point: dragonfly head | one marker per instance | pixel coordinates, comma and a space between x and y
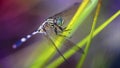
59, 21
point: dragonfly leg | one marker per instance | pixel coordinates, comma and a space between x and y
60, 28
55, 30
64, 29
63, 36
70, 44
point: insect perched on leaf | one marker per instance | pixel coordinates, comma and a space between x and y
56, 24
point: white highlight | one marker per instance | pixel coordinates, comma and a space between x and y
28, 36
34, 33
23, 39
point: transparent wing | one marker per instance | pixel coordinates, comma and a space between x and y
65, 47
60, 53
69, 44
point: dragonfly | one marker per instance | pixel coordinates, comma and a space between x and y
55, 23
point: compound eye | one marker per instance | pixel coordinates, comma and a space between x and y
59, 21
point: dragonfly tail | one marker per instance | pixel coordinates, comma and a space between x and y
21, 41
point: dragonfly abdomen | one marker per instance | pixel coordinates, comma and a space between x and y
21, 41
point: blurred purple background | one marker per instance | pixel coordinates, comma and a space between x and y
21, 17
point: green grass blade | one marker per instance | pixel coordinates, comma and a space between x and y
80, 63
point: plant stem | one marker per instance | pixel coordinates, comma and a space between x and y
80, 63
